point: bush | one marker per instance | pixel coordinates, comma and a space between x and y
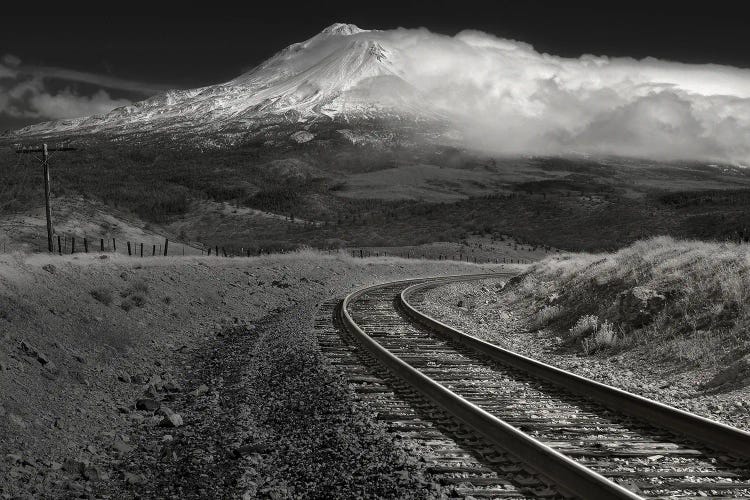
135, 300
604, 337
586, 324
139, 286
102, 295
546, 315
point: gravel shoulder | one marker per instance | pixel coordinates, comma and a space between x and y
482, 308
186, 377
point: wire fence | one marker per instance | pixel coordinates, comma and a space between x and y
67, 244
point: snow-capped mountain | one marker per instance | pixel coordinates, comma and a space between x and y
343, 73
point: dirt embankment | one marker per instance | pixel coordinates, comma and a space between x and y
663, 318
185, 377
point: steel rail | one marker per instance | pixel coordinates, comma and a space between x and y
710, 433
569, 476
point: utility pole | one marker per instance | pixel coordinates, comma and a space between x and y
45, 163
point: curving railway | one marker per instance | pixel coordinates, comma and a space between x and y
489, 423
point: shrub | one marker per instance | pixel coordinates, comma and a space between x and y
139, 286
102, 295
546, 315
135, 300
604, 337
586, 324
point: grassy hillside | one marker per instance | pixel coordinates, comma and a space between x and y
682, 301
368, 195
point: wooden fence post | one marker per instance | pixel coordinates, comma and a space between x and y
59, 245
224, 251
129, 252
114, 245
217, 250
209, 251
85, 245
101, 244
141, 249
153, 251
72, 244
166, 246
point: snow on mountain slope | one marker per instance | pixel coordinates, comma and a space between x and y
344, 73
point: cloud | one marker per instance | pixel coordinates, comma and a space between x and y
94, 79
28, 91
506, 97
11, 60
67, 104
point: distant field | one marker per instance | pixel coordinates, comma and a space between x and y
330, 193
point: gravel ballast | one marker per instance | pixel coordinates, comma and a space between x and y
481, 309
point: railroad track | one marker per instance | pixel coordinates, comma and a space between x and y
495, 424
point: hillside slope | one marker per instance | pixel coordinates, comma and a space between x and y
665, 318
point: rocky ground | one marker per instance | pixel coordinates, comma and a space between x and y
485, 310
186, 377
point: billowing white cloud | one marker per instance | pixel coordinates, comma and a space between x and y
507, 97
67, 104
25, 91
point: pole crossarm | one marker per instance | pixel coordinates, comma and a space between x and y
41, 150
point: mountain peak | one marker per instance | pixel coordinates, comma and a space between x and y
333, 75
342, 29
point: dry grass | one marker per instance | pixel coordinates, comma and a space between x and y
103, 295
704, 317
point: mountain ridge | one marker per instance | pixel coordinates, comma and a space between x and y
343, 73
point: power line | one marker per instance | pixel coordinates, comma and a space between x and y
45, 164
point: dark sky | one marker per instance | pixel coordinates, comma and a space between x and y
184, 46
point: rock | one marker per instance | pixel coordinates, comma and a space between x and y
146, 404
134, 479
55, 465
93, 473
172, 386
151, 391
302, 137
138, 378
78, 377
171, 419
123, 376
638, 306
200, 390
73, 466
29, 349
737, 373
122, 447
50, 268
